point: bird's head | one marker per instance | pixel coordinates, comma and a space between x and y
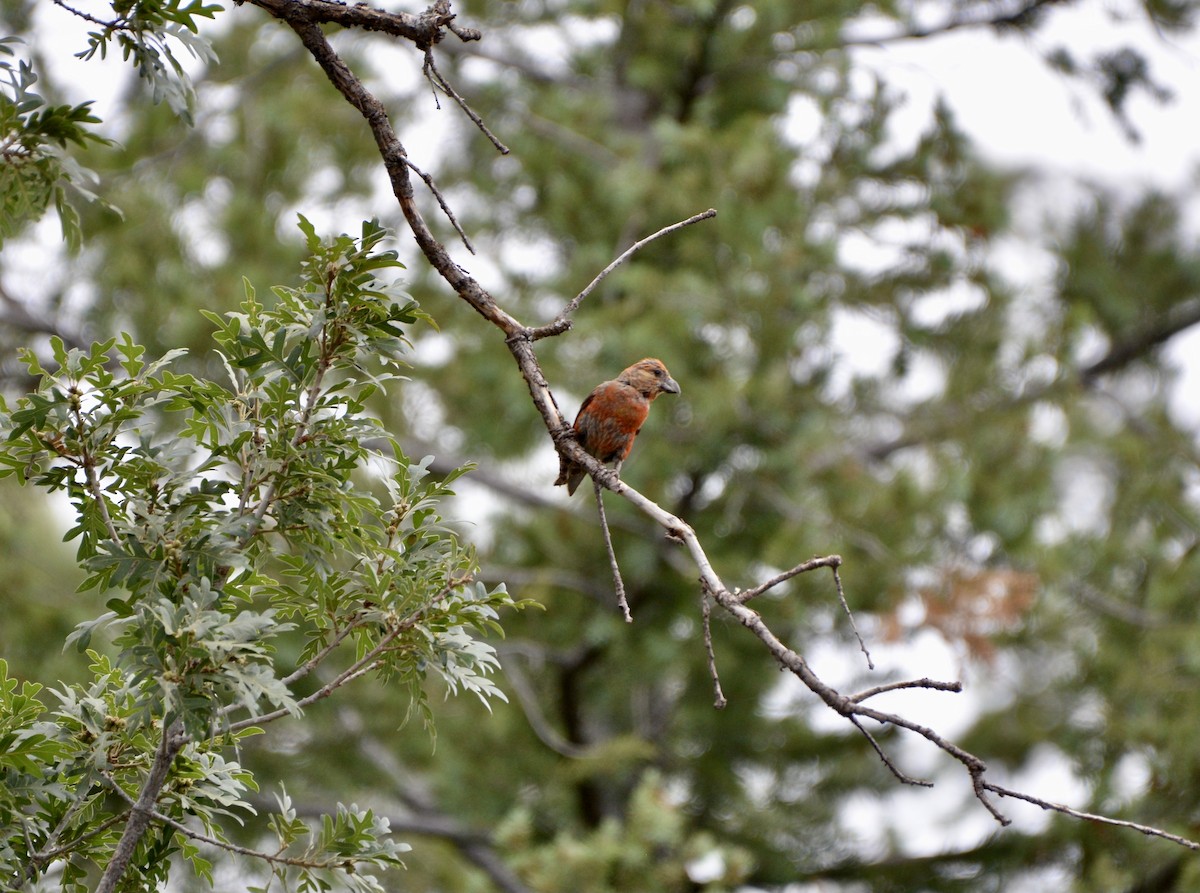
650, 377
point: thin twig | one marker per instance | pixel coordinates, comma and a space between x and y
925, 683
463, 33
706, 613
356, 669
359, 668
974, 765
879, 751
313, 662
628, 253
224, 844
51, 850
837, 579
39, 857
1050, 806
612, 555
802, 568
338, 862
441, 200
88, 461
435, 77
114, 25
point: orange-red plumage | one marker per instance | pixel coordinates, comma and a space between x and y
612, 415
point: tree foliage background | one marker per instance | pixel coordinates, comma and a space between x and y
1011, 487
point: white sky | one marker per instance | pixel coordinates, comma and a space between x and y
1022, 114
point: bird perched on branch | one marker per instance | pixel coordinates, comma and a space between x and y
612, 415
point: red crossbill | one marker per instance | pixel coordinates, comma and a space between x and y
612, 415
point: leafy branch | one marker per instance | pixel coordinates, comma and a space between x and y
36, 171
145, 32
224, 517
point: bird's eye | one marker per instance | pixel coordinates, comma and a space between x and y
658, 372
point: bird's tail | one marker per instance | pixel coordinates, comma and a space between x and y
570, 474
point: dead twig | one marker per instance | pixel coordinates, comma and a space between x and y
1050, 806
628, 253
833, 561
837, 581
441, 200
431, 72
887, 761
719, 700
618, 583
907, 683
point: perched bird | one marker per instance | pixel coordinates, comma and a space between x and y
612, 415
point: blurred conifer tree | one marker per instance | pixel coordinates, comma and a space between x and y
1007, 478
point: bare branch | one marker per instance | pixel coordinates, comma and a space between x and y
618, 583
925, 683
423, 29
435, 77
719, 700
837, 581
1091, 817
520, 339
441, 200
833, 561
851, 708
625, 255
879, 751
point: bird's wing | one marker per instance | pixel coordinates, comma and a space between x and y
581, 431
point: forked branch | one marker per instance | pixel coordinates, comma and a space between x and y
304, 17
